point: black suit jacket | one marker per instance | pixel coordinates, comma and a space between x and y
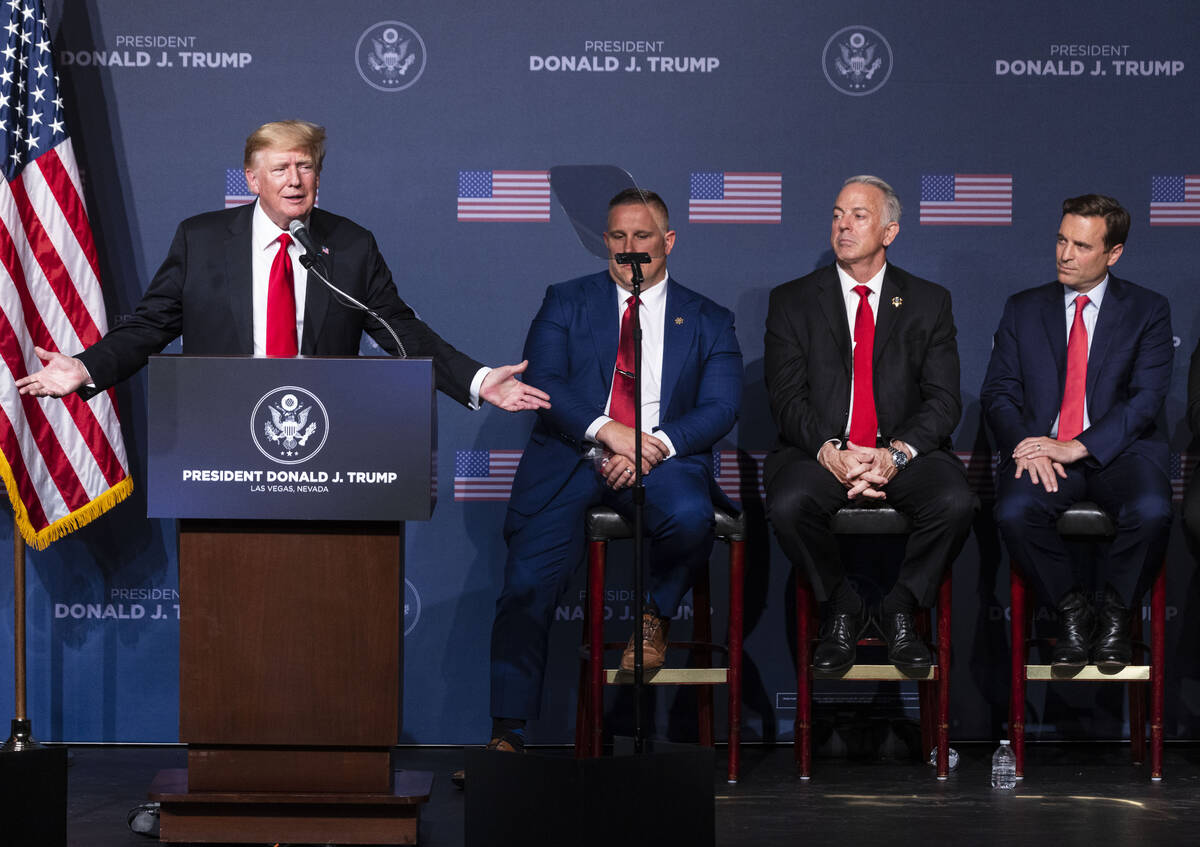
808, 364
203, 290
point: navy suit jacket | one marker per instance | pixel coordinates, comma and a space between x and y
572, 350
203, 290
809, 363
1128, 373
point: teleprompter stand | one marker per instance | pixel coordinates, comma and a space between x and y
291, 621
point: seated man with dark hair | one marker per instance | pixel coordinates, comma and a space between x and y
581, 450
1077, 379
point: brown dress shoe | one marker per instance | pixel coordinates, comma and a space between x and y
654, 644
459, 777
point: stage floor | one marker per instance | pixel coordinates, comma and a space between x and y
1086, 794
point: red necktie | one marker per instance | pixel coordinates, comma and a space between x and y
1070, 418
281, 304
863, 423
620, 407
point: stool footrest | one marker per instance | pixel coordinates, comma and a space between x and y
1088, 673
670, 676
880, 673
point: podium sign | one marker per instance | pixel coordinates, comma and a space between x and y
292, 439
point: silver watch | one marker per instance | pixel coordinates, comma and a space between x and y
899, 458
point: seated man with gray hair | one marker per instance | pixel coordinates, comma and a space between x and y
861, 367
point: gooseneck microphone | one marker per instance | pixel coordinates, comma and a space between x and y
314, 264
300, 232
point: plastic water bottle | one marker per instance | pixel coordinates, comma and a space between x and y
1004, 767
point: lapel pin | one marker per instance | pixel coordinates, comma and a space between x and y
679, 322
897, 302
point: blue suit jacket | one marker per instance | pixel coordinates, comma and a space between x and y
572, 350
1129, 370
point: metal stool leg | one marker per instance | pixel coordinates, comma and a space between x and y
737, 566
944, 606
583, 719
1137, 693
1158, 628
802, 732
702, 634
597, 556
925, 691
1016, 703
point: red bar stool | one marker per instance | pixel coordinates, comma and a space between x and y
933, 686
1088, 522
603, 525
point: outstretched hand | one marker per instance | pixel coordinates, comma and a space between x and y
503, 390
61, 376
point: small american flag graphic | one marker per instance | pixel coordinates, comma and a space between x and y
503, 196
966, 200
484, 474
488, 474
237, 193
721, 197
740, 473
1175, 200
1182, 466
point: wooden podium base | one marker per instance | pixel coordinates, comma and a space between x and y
277, 817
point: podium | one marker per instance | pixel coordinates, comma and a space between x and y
291, 480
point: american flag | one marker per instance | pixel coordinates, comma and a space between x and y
966, 199
717, 197
503, 196
484, 474
237, 193
1175, 200
62, 461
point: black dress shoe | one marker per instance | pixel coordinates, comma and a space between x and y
839, 636
906, 650
1114, 649
1076, 630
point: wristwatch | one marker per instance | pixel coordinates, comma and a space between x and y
899, 458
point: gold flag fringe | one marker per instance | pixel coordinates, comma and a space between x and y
41, 539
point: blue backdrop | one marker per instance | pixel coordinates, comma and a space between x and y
1059, 98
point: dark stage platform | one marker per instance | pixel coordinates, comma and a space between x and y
1073, 794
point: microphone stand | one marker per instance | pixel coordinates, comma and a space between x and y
635, 261
313, 265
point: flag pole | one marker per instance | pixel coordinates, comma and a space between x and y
21, 737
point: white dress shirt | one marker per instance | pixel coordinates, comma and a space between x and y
264, 245
1091, 314
851, 298
653, 316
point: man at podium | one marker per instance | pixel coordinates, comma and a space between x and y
233, 284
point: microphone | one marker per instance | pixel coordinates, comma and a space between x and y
314, 263
300, 232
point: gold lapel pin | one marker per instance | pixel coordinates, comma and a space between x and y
897, 302
679, 322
